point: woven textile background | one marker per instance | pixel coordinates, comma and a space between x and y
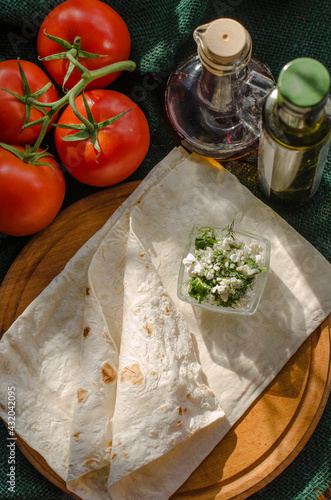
161, 33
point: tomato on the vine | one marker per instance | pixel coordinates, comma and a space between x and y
123, 144
101, 30
31, 195
12, 110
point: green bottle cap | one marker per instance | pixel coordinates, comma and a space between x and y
304, 82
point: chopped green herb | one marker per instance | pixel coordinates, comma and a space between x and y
205, 237
222, 269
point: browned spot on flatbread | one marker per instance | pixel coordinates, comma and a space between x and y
179, 423
114, 456
147, 267
205, 388
87, 291
142, 255
148, 328
76, 435
188, 395
185, 410
86, 331
133, 374
108, 373
180, 411
167, 310
81, 395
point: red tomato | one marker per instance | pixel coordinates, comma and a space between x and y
102, 31
124, 143
30, 195
12, 111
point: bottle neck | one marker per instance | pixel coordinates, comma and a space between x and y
219, 92
298, 117
224, 48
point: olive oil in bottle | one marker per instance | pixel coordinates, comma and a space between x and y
296, 133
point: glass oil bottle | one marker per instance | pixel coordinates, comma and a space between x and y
296, 133
214, 98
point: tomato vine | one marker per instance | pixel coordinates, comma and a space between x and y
106, 145
69, 98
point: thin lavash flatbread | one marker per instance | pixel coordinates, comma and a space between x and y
44, 372
161, 399
159, 376
239, 357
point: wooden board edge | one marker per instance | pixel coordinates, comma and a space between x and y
255, 478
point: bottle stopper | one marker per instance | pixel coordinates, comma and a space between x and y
225, 39
223, 44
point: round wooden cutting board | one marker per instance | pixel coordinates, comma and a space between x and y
268, 436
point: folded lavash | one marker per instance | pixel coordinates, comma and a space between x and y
121, 386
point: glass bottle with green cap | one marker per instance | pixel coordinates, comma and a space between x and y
296, 133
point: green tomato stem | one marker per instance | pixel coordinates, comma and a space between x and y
112, 68
70, 96
71, 56
47, 120
85, 121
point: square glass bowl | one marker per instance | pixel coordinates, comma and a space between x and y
254, 293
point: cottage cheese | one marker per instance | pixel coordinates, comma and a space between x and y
222, 269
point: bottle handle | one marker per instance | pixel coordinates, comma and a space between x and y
260, 81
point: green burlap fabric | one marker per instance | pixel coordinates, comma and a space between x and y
161, 32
